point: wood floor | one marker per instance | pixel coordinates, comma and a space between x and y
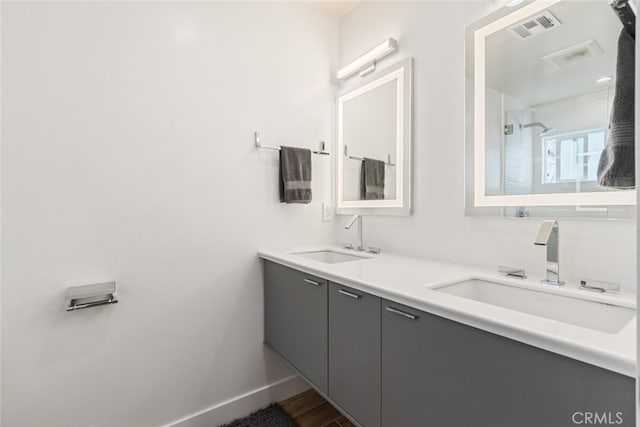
309, 409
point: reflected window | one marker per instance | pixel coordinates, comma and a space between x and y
572, 157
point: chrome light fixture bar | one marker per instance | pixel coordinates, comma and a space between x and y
367, 62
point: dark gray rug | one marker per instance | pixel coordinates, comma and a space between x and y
271, 416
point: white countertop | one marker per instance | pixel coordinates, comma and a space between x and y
410, 281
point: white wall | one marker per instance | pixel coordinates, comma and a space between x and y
433, 33
127, 138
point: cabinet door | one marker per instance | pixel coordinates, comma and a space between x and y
440, 373
296, 320
354, 353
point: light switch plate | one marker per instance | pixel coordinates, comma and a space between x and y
327, 212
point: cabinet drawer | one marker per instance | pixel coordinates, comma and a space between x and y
437, 372
354, 353
296, 320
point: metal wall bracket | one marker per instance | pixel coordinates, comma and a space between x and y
508, 129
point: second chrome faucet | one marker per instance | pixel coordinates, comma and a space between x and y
350, 224
548, 236
358, 218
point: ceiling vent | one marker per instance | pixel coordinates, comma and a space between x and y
535, 25
578, 52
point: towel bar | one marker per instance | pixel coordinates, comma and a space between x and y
268, 147
388, 162
79, 297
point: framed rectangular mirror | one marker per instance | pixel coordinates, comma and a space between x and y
374, 144
539, 97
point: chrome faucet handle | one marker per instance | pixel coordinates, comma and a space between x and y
373, 250
346, 245
599, 286
518, 273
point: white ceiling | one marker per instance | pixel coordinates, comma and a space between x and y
515, 67
337, 8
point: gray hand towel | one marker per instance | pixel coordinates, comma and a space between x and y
295, 175
617, 162
372, 179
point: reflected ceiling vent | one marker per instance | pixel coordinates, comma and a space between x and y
578, 52
535, 25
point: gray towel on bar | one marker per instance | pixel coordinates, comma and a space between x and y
372, 179
295, 175
617, 162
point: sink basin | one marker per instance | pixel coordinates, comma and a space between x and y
587, 314
330, 257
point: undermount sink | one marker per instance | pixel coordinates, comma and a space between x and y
330, 257
579, 312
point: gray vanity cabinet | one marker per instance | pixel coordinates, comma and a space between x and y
354, 353
296, 320
440, 373
389, 365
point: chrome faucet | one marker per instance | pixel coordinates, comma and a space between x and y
350, 224
548, 236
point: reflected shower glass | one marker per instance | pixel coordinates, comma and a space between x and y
547, 114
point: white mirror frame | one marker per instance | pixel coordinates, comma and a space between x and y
481, 199
401, 72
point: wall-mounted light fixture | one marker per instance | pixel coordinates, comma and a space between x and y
367, 62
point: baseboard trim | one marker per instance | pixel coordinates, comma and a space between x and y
244, 404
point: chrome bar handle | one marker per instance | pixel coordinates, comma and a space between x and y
402, 313
584, 287
349, 294
518, 273
85, 296
77, 304
312, 282
599, 286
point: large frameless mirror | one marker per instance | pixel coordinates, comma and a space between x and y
540, 90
